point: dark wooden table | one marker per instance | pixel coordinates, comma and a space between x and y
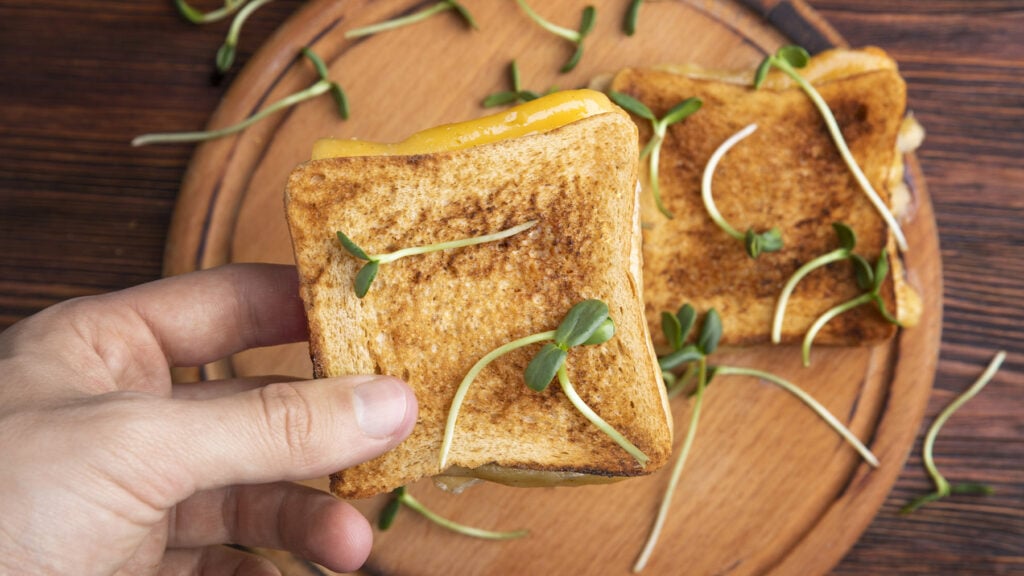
84, 213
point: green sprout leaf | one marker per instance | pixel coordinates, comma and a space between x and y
767, 241
604, 333
788, 59
442, 6
387, 515
632, 18
762, 72
352, 247
680, 111
846, 236
517, 94
687, 316
542, 368
710, 332
684, 355
587, 19
320, 87
672, 330
795, 56
581, 322
864, 272
630, 104
942, 486
365, 277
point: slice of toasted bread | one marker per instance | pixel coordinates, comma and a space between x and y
788, 174
429, 318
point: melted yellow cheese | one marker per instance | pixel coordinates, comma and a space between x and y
541, 115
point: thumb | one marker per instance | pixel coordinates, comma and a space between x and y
292, 431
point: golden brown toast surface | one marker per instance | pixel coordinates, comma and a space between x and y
787, 174
429, 318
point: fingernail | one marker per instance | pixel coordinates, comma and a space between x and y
380, 405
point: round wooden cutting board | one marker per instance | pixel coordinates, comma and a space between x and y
768, 487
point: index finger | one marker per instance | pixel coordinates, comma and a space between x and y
204, 316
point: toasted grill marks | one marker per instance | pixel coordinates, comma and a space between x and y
431, 317
787, 174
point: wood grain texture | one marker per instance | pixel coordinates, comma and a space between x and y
84, 213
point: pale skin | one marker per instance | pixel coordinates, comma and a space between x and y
107, 467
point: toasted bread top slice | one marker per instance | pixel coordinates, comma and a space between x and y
429, 318
787, 174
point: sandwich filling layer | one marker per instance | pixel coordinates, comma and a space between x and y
534, 117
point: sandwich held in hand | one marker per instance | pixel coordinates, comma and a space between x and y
567, 163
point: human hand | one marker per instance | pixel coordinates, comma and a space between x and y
106, 467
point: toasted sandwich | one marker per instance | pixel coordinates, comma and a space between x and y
567, 161
788, 175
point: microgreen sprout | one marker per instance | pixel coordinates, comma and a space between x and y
788, 59
196, 17
847, 242
320, 87
677, 328
632, 17
516, 95
871, 281
442, 6
401, 497
226, 53
586, 324
574, 36
365, 276
659, 128
754, 242
942, 486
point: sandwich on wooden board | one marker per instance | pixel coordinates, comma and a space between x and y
786, 174
567, 163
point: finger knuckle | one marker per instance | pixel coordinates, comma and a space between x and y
289, 417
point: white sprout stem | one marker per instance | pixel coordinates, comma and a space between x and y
844, 151
655, 159
941, 484
827, 317
197, 17
589, 414
787, 290
677, 472
392, 256
399, 22
809, 400
408, 500
180, 137
709, 171
240, 18
460, 393
570, 35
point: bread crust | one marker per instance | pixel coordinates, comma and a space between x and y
429, 318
